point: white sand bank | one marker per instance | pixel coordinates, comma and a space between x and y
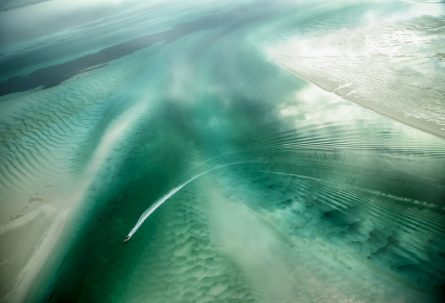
394, 68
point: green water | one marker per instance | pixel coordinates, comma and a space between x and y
308, 198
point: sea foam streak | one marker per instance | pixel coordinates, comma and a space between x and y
171, 193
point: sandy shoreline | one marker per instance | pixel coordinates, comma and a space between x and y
375, 66
41, 253
28, 237
419, 124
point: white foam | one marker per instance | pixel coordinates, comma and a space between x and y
171, 193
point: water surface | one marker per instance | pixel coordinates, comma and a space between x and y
272, 183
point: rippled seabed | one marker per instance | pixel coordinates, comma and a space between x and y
295, 149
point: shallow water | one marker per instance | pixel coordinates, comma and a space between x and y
267, 184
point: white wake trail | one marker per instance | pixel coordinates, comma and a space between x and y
172, 192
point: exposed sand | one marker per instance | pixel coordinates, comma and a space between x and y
28, 238
395, 69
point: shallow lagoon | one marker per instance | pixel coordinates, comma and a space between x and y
298, 185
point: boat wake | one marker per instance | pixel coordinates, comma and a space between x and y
172, 192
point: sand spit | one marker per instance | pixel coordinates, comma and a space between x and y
394, 68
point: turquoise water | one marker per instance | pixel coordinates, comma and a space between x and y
280, 191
